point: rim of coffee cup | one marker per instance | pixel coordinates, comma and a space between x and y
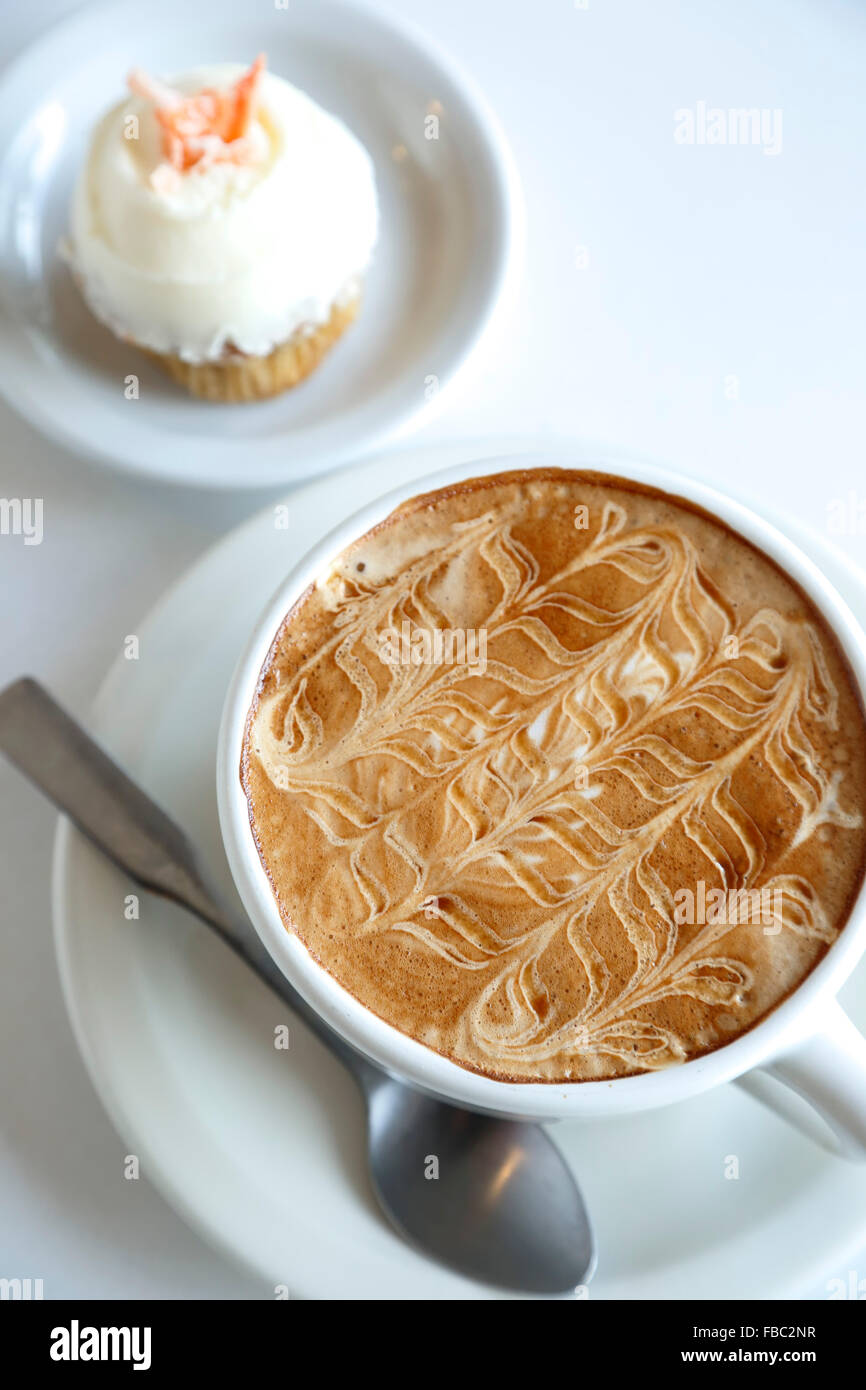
795, 1018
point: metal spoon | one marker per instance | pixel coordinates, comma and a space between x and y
504, 1209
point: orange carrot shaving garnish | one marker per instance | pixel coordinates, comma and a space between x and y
243, 94
206, 128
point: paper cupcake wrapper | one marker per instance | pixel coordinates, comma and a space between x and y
238, 378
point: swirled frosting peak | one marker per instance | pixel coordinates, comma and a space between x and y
559, 776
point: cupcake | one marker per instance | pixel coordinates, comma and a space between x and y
223, 223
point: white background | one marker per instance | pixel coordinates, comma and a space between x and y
702, 264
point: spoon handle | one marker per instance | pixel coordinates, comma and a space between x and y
63, 761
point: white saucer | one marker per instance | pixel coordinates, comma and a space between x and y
262, 1150
450, 234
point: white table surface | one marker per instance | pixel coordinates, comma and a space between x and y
703, 264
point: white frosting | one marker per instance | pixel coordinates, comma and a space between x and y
231, 254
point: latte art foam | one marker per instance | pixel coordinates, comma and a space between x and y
492, 860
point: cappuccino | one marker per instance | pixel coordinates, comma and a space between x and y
527, 863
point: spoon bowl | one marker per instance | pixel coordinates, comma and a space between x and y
492, 1198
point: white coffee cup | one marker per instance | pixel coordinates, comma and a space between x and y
807, 1042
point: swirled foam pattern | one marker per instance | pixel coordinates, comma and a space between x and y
520, 845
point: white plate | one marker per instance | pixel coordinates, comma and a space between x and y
261, 1150
450, 233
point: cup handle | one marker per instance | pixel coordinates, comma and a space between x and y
823, 1084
